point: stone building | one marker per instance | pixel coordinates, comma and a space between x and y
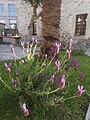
75, 18
25, 12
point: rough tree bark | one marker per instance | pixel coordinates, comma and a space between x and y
50, 24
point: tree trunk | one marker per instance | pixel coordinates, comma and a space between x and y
50, 24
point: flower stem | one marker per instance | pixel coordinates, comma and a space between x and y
44, 93
70, 98
5, 84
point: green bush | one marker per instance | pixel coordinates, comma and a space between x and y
78, 51
42, 85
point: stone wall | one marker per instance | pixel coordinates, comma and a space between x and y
69, 10
24, 13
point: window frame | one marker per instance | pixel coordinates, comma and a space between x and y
81, 24
2, 11
11, 23
12, 10
34, 28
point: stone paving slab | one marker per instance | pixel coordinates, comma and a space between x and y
6, 54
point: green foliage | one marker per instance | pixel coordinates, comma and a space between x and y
35, 89
33, 2
78, 51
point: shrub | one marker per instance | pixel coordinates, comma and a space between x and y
78, 51
41, 83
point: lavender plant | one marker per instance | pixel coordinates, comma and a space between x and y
37, 78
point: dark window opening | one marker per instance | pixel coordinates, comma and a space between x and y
80, 28
34, 28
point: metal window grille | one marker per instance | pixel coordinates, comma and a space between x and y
81, 21
34, 28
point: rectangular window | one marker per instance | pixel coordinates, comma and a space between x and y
13, 24
81, 21
11, 10
34, 28
1, 9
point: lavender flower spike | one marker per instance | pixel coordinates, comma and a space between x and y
61, 83
57, 63
68, 54
80, 90
7, 67
14, 83
25, 110
52, 79
12, 49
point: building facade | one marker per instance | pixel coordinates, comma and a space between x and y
8, 13
24, 13
75, 18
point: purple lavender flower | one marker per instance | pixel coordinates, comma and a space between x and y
7, 67
69, 44
63, 93
25, 110
12, 49
73, 62
14, 83
61, 101
57, 63
15, 56
45, 56
22, 44
61, 83
52, 79
80, 91
82, 76
68, 54
57, 47
67, 67
22, 61
33, 39
76, 67
16, 72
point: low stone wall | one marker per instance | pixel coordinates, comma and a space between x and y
82, 43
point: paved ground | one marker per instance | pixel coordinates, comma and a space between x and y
6, 54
